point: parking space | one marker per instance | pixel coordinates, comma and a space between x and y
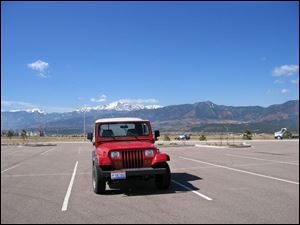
52, 184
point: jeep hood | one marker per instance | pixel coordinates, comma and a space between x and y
119, 145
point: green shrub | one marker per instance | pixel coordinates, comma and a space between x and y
202, 138
287, 135
10, 134
247, 135
166, 138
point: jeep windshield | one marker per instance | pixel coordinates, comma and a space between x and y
130, 129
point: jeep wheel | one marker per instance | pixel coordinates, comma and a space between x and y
163, 181
99, 182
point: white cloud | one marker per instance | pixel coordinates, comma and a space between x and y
101, 99
26, 106
39, 66
16, 105
285, 70
278, 81
295, 81
139, 100
283, 91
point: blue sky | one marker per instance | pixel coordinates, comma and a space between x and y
58, 56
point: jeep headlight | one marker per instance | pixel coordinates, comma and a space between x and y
149, 153
114, 154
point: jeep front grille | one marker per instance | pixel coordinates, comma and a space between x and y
133, 159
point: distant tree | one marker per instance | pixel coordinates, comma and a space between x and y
24, 134
247, 135
166, 138
202, 137
42, 134
287, 135
9, 134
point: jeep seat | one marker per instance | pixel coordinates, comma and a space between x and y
107, 133
131, 132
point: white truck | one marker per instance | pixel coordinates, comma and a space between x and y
280, 134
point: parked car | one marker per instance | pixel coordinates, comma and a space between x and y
183, 137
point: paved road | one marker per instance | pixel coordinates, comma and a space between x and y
52, 184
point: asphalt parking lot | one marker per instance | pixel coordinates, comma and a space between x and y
52, 184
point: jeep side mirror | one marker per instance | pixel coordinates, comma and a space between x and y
156, 134
90, 136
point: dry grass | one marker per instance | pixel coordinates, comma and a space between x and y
195, 137
223, 137
19, 140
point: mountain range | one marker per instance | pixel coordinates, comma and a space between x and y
118, 106
198, 117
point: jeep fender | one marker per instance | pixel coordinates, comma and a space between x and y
162, 157
104, 161
100, 160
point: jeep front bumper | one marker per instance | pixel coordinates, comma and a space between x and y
137, 172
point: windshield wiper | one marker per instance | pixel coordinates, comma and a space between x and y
107, 140
134, 136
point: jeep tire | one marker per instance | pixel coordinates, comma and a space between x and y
98, 180
162, 181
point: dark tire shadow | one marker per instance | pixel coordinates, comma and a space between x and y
138, 187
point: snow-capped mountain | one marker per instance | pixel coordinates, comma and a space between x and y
196, 117
118, 106
35, 110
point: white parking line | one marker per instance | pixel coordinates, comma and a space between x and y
38, 175
210, 146
192, 168
268, 160
195, 192
66, 200
48, 151
11, 167
41, 175
242, 171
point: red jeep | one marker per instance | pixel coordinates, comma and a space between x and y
124, 148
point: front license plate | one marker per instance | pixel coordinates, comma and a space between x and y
118, 175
